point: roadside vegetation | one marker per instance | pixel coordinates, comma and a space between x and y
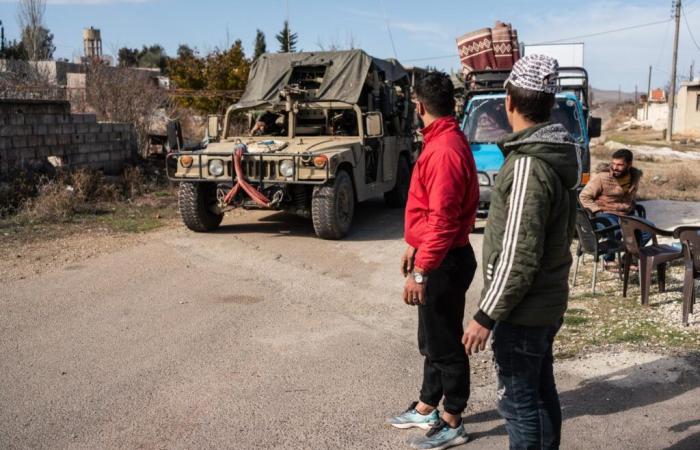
37, 207
608, 321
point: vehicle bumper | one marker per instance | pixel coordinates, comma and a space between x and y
260, 168
484, 201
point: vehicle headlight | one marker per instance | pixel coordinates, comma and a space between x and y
483, 179
216, 167
287, 168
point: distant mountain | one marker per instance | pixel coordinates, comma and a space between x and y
603, 96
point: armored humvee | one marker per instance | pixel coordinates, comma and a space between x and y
312, 134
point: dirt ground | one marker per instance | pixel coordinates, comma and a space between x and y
261, 336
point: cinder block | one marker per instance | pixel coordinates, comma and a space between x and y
34, 141
90, 138
43, 152
17, 119
87, 148
63, 118
77, 118
5, 143
50, 139
90, 118
19, 141
106, 127
47, 119
68, 128
40, 130
63, 139
77, 138
95, 128
82, 128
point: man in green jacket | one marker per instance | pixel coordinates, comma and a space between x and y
527, 256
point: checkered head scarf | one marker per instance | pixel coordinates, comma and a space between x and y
535, 73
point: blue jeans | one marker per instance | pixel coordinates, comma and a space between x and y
612, 219
528, 398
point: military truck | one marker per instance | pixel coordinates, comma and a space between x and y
313, 134
485, 122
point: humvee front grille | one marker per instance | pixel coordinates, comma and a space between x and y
251, 169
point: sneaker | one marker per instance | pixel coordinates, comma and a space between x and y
412, 418
441, 436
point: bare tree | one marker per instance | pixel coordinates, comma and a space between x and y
125, 95
31, 22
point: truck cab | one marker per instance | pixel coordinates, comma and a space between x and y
485, 122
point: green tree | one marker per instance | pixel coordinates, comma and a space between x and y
38, 43
153, 56
184, 51
128, 57
287, 39
14, 50
260, 44
218, 71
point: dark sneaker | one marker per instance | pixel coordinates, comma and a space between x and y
442, 436
412, 418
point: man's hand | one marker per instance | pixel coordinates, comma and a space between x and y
475, 337
407, 260
413, 293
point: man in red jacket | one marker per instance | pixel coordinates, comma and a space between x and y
439, 263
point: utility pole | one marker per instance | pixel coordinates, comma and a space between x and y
672, 94
692, 72
636, 92
646, 115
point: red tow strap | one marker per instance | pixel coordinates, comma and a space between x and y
257, 196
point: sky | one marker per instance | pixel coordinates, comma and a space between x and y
423, 32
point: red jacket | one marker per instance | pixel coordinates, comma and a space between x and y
443, 196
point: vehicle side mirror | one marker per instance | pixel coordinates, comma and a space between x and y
374, 125
595, 124
213, 127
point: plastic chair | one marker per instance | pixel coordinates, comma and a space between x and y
650, 257
595, 242
690, 238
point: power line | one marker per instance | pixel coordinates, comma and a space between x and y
600, 33
690, 31
388, 29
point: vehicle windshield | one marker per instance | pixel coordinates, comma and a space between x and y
326, 122
487, 121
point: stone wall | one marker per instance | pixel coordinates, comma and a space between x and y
39, 131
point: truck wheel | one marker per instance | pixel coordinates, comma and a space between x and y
197, 205
397, 197
332, 207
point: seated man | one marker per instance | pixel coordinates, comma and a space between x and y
612, 193
266, 124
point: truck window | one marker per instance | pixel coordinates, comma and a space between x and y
487, 121
327, 122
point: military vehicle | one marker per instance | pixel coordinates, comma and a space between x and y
313, 134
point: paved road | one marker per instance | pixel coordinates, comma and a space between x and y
262, 336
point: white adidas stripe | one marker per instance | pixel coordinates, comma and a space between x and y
507, 247
511, 259
507, 234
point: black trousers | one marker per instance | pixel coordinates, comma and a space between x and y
440, 330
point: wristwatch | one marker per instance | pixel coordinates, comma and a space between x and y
419, 278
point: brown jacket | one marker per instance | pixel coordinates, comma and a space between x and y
603, 193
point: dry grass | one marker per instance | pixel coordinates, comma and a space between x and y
668, 179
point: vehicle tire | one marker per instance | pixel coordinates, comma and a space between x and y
197, 203
332, 207
397, 197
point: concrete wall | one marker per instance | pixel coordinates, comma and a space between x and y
687, 114
36, 130
658, 115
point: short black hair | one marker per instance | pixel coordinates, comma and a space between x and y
535, 106
437, 93
625, 154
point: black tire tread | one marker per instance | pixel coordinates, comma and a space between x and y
192, 202
323, 211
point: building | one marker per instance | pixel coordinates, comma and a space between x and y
687, 115
654, 110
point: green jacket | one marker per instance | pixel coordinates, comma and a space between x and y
526, 254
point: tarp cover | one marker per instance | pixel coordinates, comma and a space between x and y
345, 75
